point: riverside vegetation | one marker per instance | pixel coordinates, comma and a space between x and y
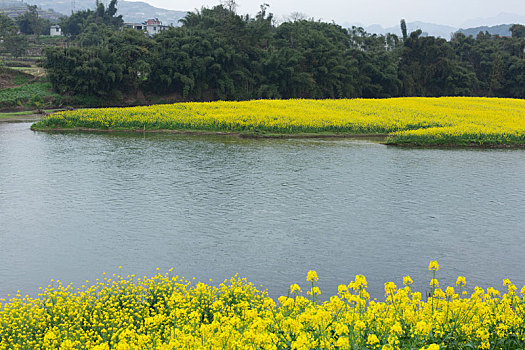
217, 54
168, 312
407, 121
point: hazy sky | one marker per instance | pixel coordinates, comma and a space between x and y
384, 12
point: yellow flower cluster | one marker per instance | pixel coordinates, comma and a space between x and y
168, 312
416, 120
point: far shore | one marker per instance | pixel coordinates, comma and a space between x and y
379, 138
20, 116
227, 133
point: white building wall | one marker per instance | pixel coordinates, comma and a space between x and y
55, 31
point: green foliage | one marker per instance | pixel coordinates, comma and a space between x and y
518, 31
497, 63
101, 20
31, 23
133, 50
13, 43
404, 29
34, 93
7, 26
428, 67
218, 54
93, 71
16, 45
20, 79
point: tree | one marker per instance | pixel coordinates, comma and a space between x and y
85, 71
429, 67
104, 19
297, 16
219, 54
7, 26
518, 31
14, 44
404, 29
94, 35
31, 23
497, 75
133, 50
231, 5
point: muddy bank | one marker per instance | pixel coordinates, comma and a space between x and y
380, 137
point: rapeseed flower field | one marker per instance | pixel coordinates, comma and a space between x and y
409, 121
168, 312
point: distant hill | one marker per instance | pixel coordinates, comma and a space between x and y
131, 11
503, 17
16, 8
501, 30
437, 30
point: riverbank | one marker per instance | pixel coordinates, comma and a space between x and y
379, 138
446, 121
24, 116
254, 135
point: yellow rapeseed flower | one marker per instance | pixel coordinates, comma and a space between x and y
461, 281
433, 266
407, 280
311, 276
168, 312
294, 288
413, 120
372, 339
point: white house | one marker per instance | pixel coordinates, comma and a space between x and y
55, 30
151, 26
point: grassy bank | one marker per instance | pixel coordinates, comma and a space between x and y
166, 312
24, 115
459, 121
11, 115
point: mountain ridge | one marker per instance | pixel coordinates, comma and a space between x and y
446, 31
131, 11
139, 11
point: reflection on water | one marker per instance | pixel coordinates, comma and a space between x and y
75, 205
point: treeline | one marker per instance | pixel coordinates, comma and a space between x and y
14, 32
218, 54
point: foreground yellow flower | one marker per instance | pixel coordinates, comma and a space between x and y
294, 288
166, 312
390, 287
461, 281
407, 281
311, 276
433, 266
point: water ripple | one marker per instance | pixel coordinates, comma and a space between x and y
75, 205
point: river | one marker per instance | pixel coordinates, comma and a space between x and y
75, 205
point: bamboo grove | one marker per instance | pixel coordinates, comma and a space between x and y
218, 54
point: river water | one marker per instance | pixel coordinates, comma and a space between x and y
74, 205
